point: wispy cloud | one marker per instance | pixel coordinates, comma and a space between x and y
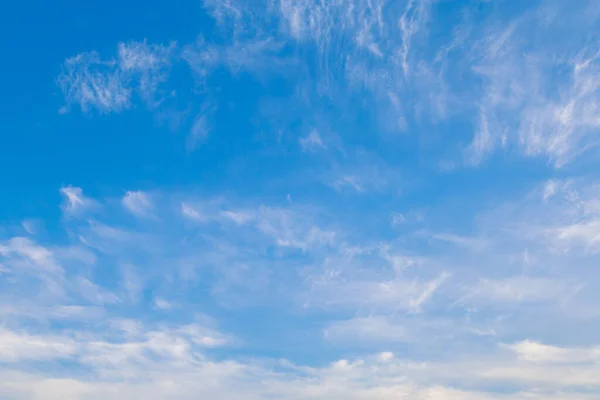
109, 85
522, 289
138, 203
75, 201
89, 82
24, 249
312, 141
538, 95
541, 353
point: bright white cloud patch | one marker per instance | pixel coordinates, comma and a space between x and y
17, 347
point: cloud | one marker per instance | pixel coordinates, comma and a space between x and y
492, 67
38, 257
561, 215
15, 347
349, 181
176, 372
89, 82
587, 232
191, 213
312, 141
366, 175
523, 289
162, 304
201, 127
75, 202
385, 290
374, 329
537, 94
134, 346
239, 217
32, 226
138, 203
149, 64
93, 293
393, 329
109, 85
467, 242
409, 24
288, 228
133, 283
541, 353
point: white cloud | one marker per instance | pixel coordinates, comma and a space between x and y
109, 85
409, 23
239, 217
366, 174
191, 213
369, 329
484, 140
131, 346
471, 243
76, 254
162, 304
562, 215
201, 127
199, 131
538, 94
93, 293
350, 181
411, 217
288, 228
149, 62
398, 218
38, 257
586, 232
550, 189
520, 289
89, 82
429, 289
375, 293
75, 201
15, 347
138, 203
541, 353
312, 141
31, 226
162, 365
392, 329
133, 283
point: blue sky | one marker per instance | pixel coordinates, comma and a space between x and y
296, 199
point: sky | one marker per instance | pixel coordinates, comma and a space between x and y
300, 199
